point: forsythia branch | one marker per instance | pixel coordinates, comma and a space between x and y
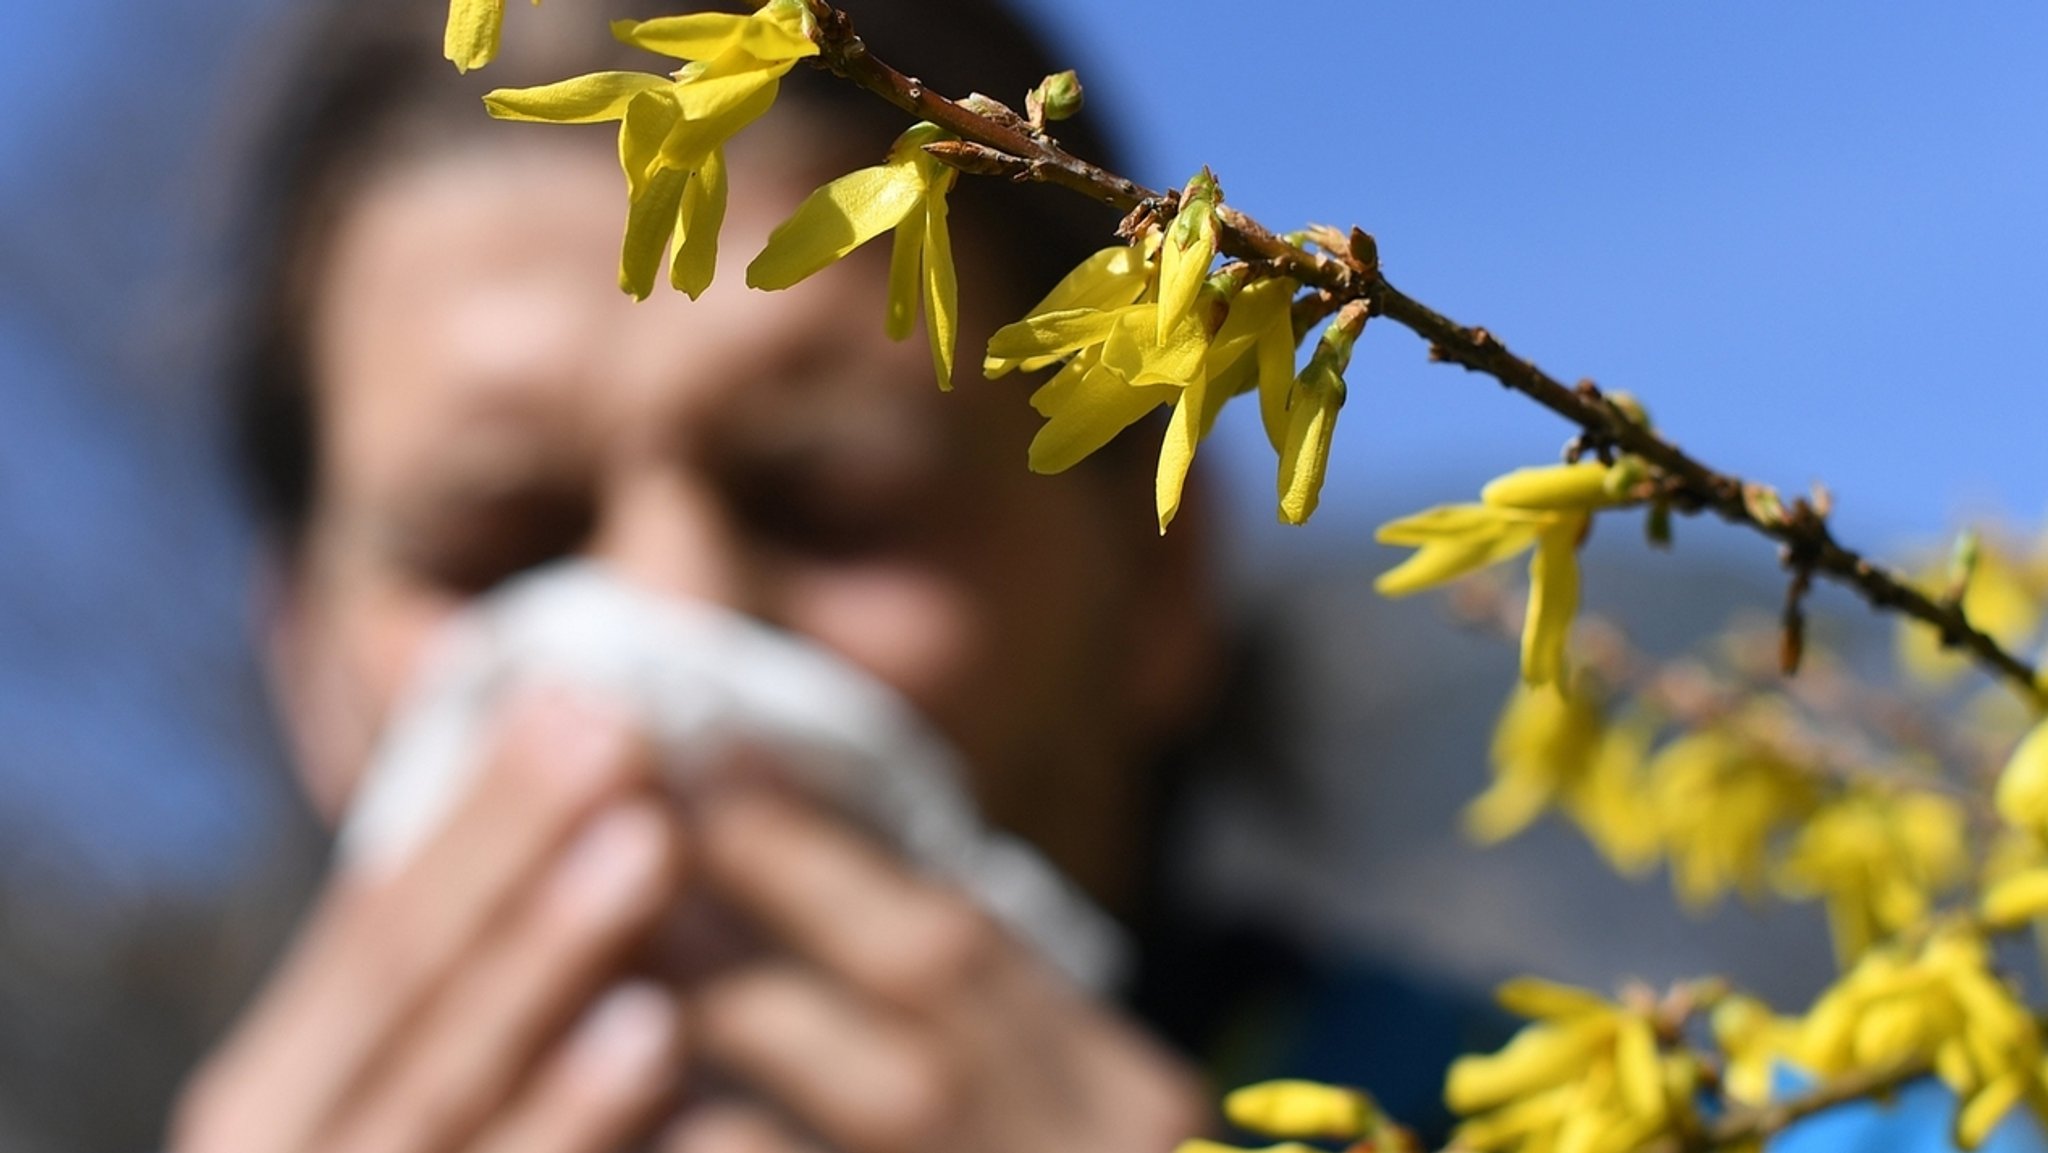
1746, 1126
1009, 145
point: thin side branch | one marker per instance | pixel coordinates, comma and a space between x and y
1759, 1122
1689, 484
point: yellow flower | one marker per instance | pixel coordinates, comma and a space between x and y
1110, 279
1587, 1075
1118, 369
1307, 1109
1301, 419
1943, 1006
1877, 859
1611, 804
1253, 350
1719, 800
1548, 509
672, 130
1542, 746
471, 38
906, 193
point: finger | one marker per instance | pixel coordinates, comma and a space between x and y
377, 945
861, 1079
606, 1083
845, 905
472, 1045
731, 1127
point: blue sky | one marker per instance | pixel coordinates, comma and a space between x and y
1809, 236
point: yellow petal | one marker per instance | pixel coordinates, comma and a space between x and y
1085, 410
1450, 522
648, 118
1538, 1057
698, 220
906, 260
471, 37
1982, 1112
1182, 269
1553, 601
2023, 787
1177, 452
1052, 333
1638, 1071
740, 101
2017, 899
1537, 998
1132, 349
1300, 1109
584, 99
1111, 279
1563, 487
941, 288
835, 220
650, 220
1441, 561
709, 35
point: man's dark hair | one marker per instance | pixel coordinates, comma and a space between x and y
370, 90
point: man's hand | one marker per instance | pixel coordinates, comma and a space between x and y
461, 1002
907, 1020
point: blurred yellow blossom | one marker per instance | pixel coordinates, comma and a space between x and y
2022, 795
908, 194
1753, 1040
1719, 800
672, 130
1307, 1109
1941, 1006
1588, 1075
1877, 859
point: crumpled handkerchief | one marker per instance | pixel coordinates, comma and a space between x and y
707, 682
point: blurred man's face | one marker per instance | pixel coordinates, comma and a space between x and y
490, 401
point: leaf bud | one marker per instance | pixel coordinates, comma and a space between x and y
1762, 503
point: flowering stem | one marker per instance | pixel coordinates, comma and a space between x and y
1012, 146
1760, 1122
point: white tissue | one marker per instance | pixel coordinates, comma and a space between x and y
707, 681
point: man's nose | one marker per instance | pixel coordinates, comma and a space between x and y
663, 532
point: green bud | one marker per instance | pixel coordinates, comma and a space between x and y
1763, 504
1629, 406
1624, 475
1057, 97
1195, 222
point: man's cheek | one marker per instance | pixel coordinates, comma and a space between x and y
916, 628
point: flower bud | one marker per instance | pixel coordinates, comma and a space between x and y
1057, 97
1305, 1109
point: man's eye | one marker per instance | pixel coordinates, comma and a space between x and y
819, 517
470, 549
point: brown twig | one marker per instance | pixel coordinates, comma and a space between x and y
1757, 1122
1689, 484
